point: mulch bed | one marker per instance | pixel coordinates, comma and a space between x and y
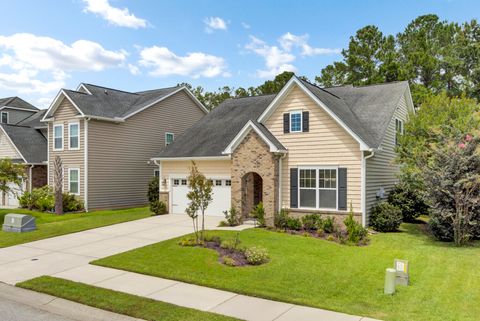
238, 256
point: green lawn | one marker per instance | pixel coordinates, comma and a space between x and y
132, 305
445, 280
49, 225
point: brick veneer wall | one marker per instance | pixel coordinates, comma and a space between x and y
253, 155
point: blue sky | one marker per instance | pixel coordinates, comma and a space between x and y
137, 44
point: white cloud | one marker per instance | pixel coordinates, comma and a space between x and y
214, 23
245, 25
115, 16
280, 58
134, 70
289, 40
277, 60
32, 63
164, 62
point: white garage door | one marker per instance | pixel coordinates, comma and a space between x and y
12, 198
221, 196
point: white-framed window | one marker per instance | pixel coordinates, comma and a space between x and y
176, 182
169, 137
58, 137
318, 187
295, 121
4, 117
218, 182
184, 182
398, 130
73, 136
228, 182
74, 181
156, 172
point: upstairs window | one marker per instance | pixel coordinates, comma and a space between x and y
398, 130
295, 121
4, 117
73, 133
169, 138
58, 137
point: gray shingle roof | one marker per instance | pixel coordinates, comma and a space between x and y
29, 142
34, 120
113, 103
212, 134
16, 102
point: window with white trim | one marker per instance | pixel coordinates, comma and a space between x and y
318, 188
58, 137
4, 117
176, 182
184, 182
295, 121
74, 136
156, 172
398, 130
218, 182
74, 181
169, 137
228, 182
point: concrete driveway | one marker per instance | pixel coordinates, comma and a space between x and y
58, 254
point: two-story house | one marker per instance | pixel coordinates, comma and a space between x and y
23, 139
306, 149
106, 137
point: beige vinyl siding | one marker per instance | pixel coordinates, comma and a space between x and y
118, 154
210, 168
381, 171
7, 150
15, 116
326, 143
66, 113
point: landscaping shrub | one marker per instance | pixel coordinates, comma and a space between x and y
256, 255
227, 260
231, 218
158, 207
411, 201
231, 244
258, 213
71, 203
26, 200
310, 221
294, 223
43, 198
328, 224
385, 217
154, 190
356, 233
441, 229
188, 242
280, 219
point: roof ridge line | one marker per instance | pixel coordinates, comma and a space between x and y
110, 88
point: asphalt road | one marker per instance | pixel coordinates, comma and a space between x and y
14, 311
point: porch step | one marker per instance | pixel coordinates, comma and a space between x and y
249, 222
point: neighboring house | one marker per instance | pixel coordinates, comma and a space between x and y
306, 149
23, 139
106, 137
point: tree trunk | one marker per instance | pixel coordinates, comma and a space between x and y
58, 184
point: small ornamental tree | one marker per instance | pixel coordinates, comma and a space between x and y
200, 196
452, 181
58, 184
11, 176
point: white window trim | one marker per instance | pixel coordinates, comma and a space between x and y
401, 129
316, 168
78, 180
8, 117
69, 135
54, 126
169, 133
296, 112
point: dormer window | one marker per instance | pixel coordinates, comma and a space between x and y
4, 117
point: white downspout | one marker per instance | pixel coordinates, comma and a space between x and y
30, 178
85, 164
364, 185
159, 164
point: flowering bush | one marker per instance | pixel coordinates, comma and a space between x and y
256, 255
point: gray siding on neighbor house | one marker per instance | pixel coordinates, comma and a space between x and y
65, 114
118, 154
15, 116
381, 171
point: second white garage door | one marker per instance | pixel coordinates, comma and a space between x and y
221, 196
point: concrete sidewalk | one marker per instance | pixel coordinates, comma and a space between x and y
68, 257
18, 304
